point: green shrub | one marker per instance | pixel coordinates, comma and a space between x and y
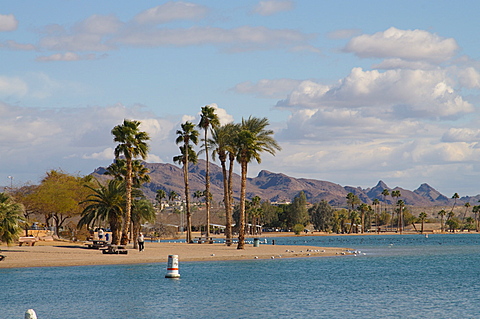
298, 228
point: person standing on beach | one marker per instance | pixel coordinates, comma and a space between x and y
100, 234
141, 242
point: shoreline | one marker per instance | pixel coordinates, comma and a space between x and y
64, 253
59, 254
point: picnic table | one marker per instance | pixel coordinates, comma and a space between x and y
114, 249
30, 241
97, 244
203, 240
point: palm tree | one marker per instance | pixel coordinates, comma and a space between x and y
132, 144
401, 205
422, 217
161, 194
376, 204
198, 194
142, 212
352, 200
187, 135
363, 208
252, 139
172, 196
10, 218
105, 203
441, 213
467, 206
395, 194
185, 158
385, 193
222, 145
476, 210
454, 197
353, 220
118, 169
208, 120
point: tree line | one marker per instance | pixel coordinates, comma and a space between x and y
119, 201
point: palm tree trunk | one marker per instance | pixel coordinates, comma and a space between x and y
230, 195
129, 182
226, 202
187, 200
207, 189
243, 188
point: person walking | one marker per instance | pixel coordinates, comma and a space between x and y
141, 242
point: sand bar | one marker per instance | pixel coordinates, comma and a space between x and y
57, 253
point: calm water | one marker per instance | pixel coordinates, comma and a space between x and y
398, 277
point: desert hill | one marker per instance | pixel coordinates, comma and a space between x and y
278, 187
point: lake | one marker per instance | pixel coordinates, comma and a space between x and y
393, 276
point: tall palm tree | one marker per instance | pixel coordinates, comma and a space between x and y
352, 200
132, 144
385, 193
395, 194
185, 136
223, 147
252, 139
476, 210
376, 204
401, 205
363, 208
190, 156
10, 218
467, 206
353, 216
105, 203
422, 217
441, 213
208, 120
454, 197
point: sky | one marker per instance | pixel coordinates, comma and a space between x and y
355, 91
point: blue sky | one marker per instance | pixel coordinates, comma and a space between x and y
356, 91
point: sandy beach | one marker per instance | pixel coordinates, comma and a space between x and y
58, 253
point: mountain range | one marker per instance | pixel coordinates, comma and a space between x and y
278, 187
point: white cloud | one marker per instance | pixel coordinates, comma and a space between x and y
12, 86
171, 11
13, 45
461, 135
34, 140
405, 93
245, 38
222, 114
271, 7
469, 78
98, 24
106, 154
75, 42
104, 33
68, 56
403, 44
8, 22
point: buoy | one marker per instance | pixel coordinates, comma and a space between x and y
172, 267
30, 314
